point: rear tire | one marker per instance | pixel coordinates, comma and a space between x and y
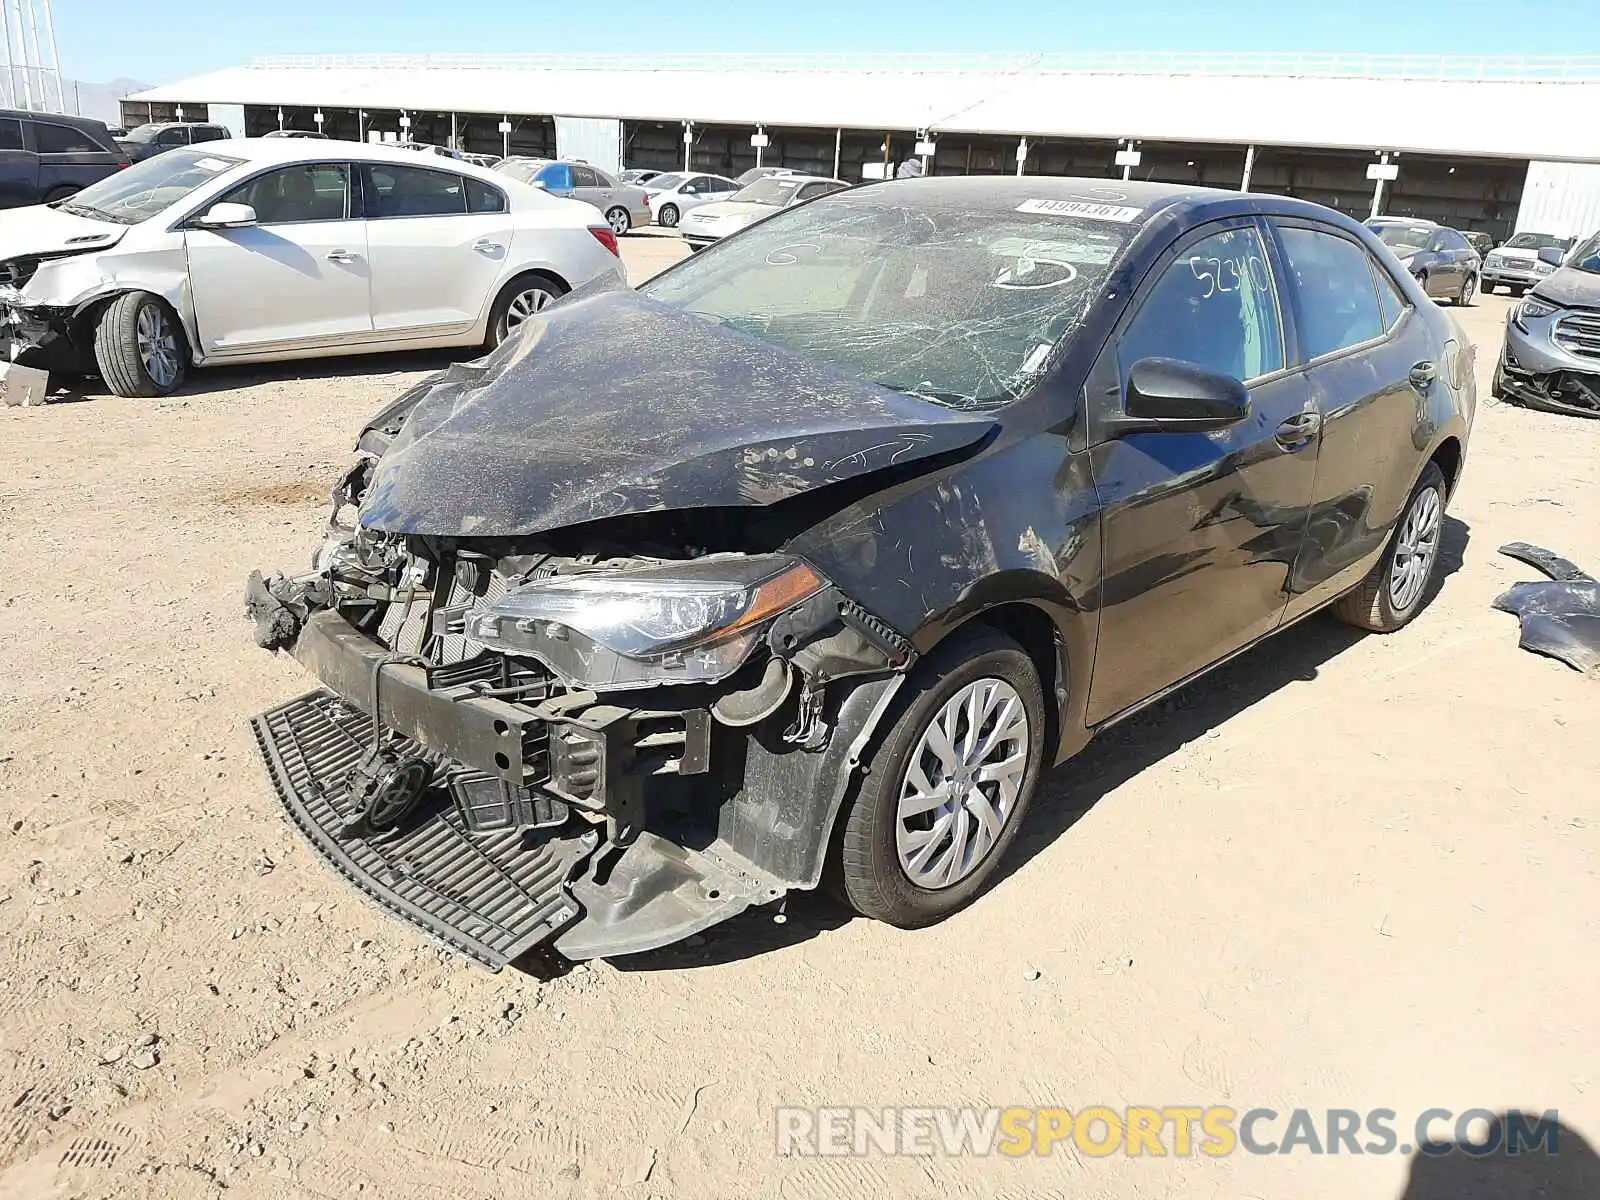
881, 841
1516, 290
1467, 293
139, 346
517, 302
619, 219
667, 218
1396, 590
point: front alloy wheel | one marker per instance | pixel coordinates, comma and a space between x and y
139, 346
962, 783
945, 792
1468, 290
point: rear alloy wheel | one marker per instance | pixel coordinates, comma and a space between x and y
667, 218
948, 786
139, 346
519, 301
1469, 290
619, 220
1394, 591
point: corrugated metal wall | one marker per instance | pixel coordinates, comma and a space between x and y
595, 141
1561, 199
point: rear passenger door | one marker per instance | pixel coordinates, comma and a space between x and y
1361, 342
19, 167
1200, 531
69, 158
439, 244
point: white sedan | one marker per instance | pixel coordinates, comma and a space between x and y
673, 194
264, 249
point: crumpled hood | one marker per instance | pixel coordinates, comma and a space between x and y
618, 404
44, 230
1570, 287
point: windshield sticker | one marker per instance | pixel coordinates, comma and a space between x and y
1078, 208
211, 164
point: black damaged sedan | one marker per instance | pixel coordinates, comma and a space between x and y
807, 560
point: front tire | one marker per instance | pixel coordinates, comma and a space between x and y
139, 346
1395, 590
518, 302
619, 220
667, 218
949, 785
1468, 291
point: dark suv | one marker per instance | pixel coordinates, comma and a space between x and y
47, 156
146, 141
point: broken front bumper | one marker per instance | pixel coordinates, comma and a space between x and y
41, 337
541, 834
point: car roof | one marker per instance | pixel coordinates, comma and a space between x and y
58, 118
267, 151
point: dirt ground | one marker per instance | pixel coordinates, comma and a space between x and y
1344, 871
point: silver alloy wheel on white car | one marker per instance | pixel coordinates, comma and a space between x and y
962, 783
1416, 546
158, 346
525, 303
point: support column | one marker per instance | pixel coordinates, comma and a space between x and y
688, 143
1249, 165
1377, 186
1022, 155
838, 145
361, 124
455, 140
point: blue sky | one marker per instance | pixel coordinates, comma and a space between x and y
161, 41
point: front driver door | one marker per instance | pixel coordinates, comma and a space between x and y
1200, 530
298, 277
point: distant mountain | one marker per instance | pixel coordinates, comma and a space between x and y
98, 100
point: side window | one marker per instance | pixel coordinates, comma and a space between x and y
303, 192
724, 185
698, 186
1440, 242
482, 198
601, 179
1214, 306
395, 191
1337, 305
584, 177
1391, 303
557, 177
173, 137
10, 134
209, 133
62, 139
811, 191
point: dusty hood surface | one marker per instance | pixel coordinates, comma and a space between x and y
42, 230
718, 209
1570, 287
616, 404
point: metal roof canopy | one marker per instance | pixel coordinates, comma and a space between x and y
1405, 103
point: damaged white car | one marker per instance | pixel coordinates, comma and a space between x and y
266, 249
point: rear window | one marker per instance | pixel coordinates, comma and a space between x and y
50, 138
10, 134
481, 198
1405, 237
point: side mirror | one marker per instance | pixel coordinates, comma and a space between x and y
1551, 255
1170, 396
540, 184
227, 216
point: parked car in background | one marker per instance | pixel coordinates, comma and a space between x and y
1478, 240
624, 204
755, 173
677, 192
146, 141
638, 175
46, 157
294, 133
810, 558
1551, 356
250, 251
1437, 257
1517, 265
713, 222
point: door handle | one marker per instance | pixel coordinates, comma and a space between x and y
1299, 429
485, 246
1424, 373
341, 256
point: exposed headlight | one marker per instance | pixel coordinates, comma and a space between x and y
675, 623
1531, 309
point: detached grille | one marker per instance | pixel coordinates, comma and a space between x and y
1579, 334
